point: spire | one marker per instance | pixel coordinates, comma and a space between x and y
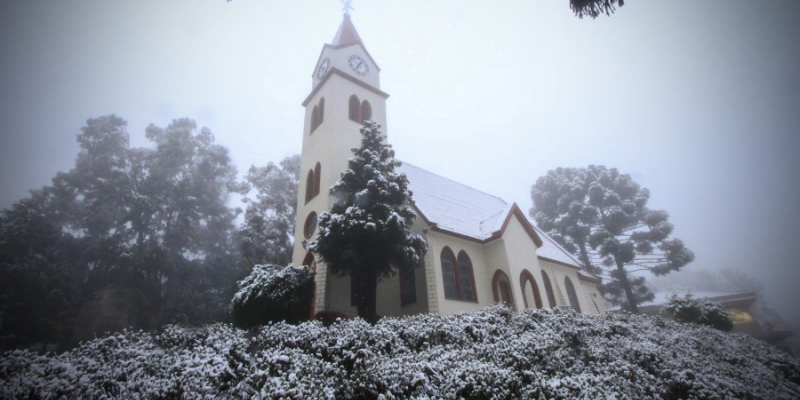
346, 35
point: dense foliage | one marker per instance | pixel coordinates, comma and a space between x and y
266, 236
594, 8
136, 237
367, 233
494, 353
601, 216
273, 293
698, 311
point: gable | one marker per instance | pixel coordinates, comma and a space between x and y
460, 210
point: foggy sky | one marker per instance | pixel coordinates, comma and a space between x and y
698, 101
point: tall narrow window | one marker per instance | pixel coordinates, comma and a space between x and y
466, 282
408, 286
366, 111
309, 186
321, 111
530, 290
314, 119
317, 174
459, 282
355, 108
449, 274
551, 297
573, 296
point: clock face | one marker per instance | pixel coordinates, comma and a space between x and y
323, 68
358, 65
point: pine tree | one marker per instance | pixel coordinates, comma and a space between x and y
593, 8
367, 233
602, 217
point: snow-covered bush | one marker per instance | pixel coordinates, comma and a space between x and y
490, 354
699, 311
273, 293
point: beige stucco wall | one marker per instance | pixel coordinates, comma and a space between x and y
521, 255
436, 242
595, 300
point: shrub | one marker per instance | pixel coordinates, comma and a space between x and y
328, 317
698, 311
271, 294
490, 354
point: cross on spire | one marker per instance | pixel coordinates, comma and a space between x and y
347, 7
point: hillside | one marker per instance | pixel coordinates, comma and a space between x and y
494, 354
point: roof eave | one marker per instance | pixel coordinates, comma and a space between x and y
338, 72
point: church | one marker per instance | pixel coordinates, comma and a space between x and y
481, 250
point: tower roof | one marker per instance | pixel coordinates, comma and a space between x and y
346, 35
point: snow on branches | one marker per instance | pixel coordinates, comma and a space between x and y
273, 293
493, 353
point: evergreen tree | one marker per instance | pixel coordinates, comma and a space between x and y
266, 237
602, 217
594, 8
367, 233
148, 224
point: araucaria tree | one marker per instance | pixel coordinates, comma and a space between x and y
602, 217
367, 233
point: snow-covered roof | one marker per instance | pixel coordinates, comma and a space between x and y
464, 211
551, 250
455, 207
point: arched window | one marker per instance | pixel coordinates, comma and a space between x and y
573, 297
459, 283
501, 289
314, 119
317, 174
309, 186
321, 111
355, 108
551, 297
366, 111
530, 290
466, 281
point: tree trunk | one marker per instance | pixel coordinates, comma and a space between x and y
366, 295
587, 263
623, 279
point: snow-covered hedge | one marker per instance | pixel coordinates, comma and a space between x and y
698, 311
273, 293
491, 354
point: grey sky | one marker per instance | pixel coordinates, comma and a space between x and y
698, 100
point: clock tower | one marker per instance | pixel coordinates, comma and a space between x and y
345, 91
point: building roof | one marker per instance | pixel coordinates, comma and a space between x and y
461, 210
455, 207
347, 34
551, 250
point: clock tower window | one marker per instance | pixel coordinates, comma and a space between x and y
355, 108
366, 111
312, 182
314, 119
317, 115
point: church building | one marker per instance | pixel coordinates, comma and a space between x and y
481, 250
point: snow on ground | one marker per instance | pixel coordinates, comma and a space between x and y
494, 353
